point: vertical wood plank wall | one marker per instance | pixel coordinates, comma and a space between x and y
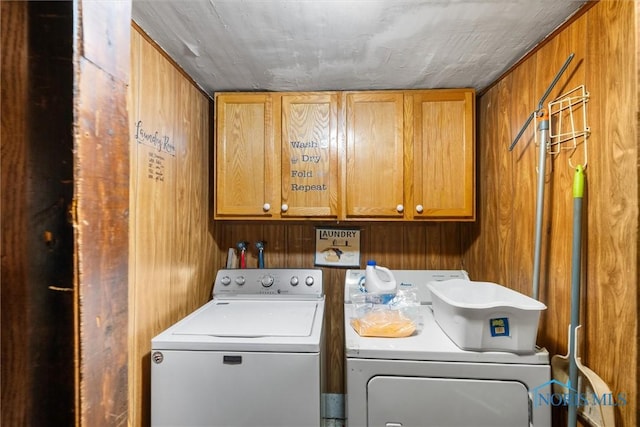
101, 217
171, 262
37, 284
604, 41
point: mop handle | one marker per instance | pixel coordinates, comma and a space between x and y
578, 194
578, 182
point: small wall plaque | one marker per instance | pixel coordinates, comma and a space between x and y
337, 247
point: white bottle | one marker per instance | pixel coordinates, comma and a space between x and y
378, 279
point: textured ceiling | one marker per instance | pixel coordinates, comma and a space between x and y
306, 45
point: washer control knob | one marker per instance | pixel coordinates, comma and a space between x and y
226, 280
239, 280
267, 281
294, 281
308, 281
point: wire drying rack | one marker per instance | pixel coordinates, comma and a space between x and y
568, 129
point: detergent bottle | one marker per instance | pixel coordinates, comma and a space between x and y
378, 279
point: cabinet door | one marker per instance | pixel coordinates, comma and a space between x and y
309, 153
443, 155
374, 171
247, 166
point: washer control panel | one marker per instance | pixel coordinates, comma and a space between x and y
294, 283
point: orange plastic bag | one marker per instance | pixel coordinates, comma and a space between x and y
384, 323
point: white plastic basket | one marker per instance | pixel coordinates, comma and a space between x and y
484, 316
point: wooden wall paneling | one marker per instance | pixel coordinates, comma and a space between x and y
471, 254
508, 190
152, 294
222, 236
188, 180
476, 261
415, 241
433, 240
442, 247
492, 194
603, 40
275, 236
611, 291
174, 255
520, 99
37, 296
193, 240
102, 194
136, 382
205, 253
384, 244
101, 191
451, 247
17, 402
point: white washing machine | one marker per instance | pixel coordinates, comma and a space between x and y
252, 356
425, 380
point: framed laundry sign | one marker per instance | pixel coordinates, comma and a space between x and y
337, 247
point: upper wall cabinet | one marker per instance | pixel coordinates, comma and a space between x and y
378, 155
309, 155
375, 152
276, 156
442, 154
247, 161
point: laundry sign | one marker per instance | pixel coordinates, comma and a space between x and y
337, 247
158, 147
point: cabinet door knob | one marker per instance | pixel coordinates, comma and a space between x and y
419, 208
266, 207
400, 208
284, 207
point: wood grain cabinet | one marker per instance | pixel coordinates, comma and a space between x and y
376, 155
410, 155
309, 155
247, 172
441, 154
276, 156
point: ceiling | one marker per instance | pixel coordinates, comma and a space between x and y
308, 45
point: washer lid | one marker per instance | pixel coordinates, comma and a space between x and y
252, 319
248, 325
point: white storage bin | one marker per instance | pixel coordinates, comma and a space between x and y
484, 316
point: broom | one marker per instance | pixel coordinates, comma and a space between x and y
582, 383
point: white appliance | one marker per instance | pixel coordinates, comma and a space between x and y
252, 356
425, 380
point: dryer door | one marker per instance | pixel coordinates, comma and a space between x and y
445, 402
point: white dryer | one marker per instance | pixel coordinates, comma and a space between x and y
425, 380
252, 356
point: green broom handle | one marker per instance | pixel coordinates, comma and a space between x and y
578, 182
578, 194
